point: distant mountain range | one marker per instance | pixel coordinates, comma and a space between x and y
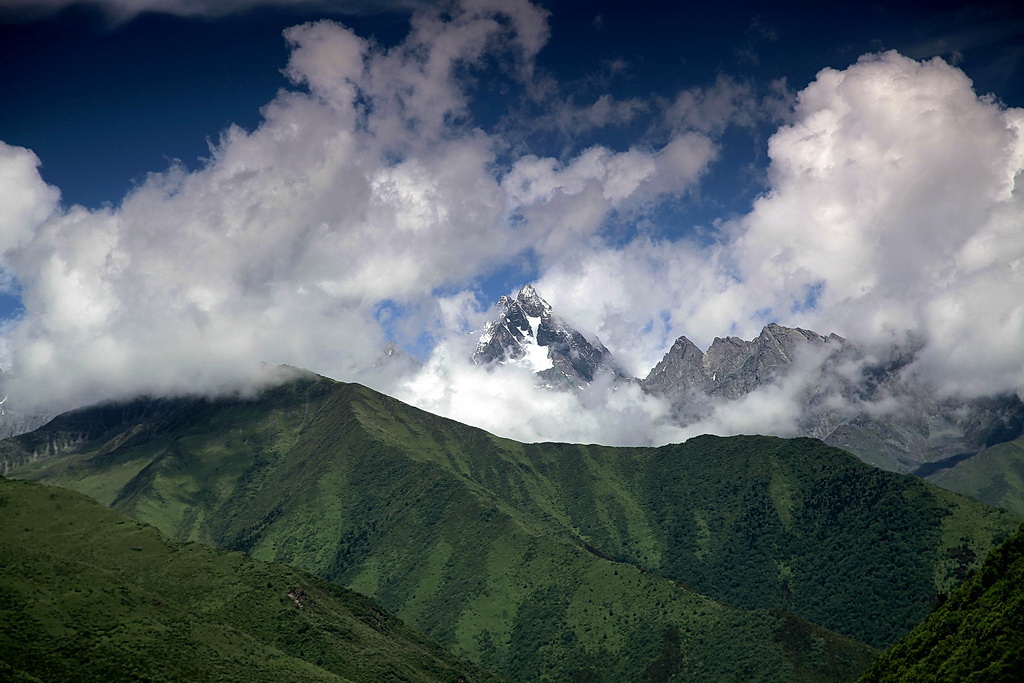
866, 404
848, 398
741, 558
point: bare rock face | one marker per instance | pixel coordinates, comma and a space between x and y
682, 369
506, 338
861, 403
738, 367
528, 331
731, 367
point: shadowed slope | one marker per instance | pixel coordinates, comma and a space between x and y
994, 476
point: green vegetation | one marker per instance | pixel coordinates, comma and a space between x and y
994, 476
976, 635
545, 560
87, 594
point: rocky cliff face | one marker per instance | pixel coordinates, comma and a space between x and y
732, 367
846, 397
135, 419
864, 404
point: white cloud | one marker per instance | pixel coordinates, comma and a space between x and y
507, 401
25, 200
896, 189
282, 246
571, 120
894, 201
564, 205
639, 298
728, 102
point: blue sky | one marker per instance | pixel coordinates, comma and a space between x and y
103, 104
248, 169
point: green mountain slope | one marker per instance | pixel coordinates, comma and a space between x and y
976, 635
542, 559
994, 476
87, 594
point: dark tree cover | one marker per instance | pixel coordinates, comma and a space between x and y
977, 634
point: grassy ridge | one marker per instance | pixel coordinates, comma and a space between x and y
976, 635
86, 594
553, 560
994, 476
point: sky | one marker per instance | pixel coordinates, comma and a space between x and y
190, 188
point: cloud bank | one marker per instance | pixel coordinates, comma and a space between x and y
368, 205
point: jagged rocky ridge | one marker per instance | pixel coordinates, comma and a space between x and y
846, 396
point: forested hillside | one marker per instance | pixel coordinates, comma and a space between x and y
975, 635
88, 595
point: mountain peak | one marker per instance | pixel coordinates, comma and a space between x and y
532, 303
528, 330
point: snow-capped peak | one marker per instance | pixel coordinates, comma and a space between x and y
532, 304
530, 334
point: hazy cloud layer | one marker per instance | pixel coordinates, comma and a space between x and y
893, 210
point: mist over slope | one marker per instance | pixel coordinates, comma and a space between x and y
995, 476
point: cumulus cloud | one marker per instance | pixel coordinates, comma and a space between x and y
893, 213
896, 204
363, 189
25, 200
281, 247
